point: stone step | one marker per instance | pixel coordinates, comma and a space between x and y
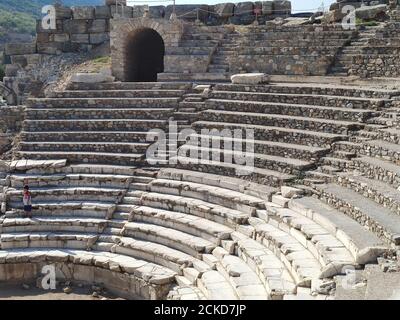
275, 133
293, 122
338, 163
346, 146
382, 149
82, 168
94, 125
381, 192
311, 89
220, 196
162, 254
329, 170
303, 99
130, 86
383, 222
43, 103
61, 240
178, 240
116, 94
85, 157
253, 174
92, 136
333, 113
185, 291
206, 77
362, 243
390, 134
71, 180
330, 252
298, 260
344, 155
229, 156
288, 150
195, 226
100, 147
215, 287
242, 278
90, 209
53, 224
67, 193
98, 113
234, 184
196, 207
378, 169
276, 279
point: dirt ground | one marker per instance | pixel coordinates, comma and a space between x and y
18, 292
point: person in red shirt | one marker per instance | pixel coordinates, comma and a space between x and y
27, 200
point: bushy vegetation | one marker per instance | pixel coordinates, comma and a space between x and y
370, 23
16, 22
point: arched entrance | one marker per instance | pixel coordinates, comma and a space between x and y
144, 56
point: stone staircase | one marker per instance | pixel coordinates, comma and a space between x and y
294, 129
99, 124
344, 58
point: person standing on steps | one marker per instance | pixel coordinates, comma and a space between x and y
27, 200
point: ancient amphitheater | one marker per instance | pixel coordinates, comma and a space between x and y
318, 217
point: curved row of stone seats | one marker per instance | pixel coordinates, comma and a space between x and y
281, 120
329, 254
179, 240
301, 98
115, 102
381, 221
246, 283
221, 154
196, 226
314, 111
125, 276
140, 86
311, 89
275, 133
274, 148
71, 179
363, 244
117, 93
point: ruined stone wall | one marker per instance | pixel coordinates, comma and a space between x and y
381, 57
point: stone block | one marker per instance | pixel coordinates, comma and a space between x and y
157, 12
83, 13
50, 48
91, 78
282, 7
250, 78
267, 8
19, 60
80, 38
371, 12
43, 37
59, 37
98, 38
63, 12
98, 26
20, 48
102, 12
244, 8
75, 26
114, 2
224, 10
290, 192
11, 70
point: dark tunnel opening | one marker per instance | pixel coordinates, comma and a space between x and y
144, 56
